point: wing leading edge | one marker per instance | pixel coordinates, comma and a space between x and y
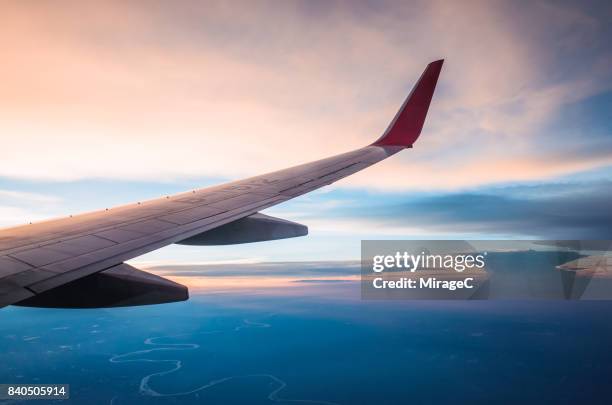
35, 259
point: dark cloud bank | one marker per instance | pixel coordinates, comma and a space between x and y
564, 211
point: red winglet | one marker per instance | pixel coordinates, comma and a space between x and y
408, 122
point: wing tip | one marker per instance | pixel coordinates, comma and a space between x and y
407, 124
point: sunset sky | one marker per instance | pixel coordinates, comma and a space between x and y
108, 102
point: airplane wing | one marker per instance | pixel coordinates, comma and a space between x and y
78, 261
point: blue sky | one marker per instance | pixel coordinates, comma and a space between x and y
518, 143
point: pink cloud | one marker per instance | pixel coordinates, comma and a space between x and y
118, 90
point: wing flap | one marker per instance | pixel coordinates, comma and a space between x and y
11, 293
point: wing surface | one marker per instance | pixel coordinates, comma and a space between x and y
39, 257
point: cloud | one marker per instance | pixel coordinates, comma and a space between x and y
259, 275
258, 269
121, 90
20, 197
16, 215
549, 211
19, 206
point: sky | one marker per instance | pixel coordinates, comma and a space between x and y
104, 103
